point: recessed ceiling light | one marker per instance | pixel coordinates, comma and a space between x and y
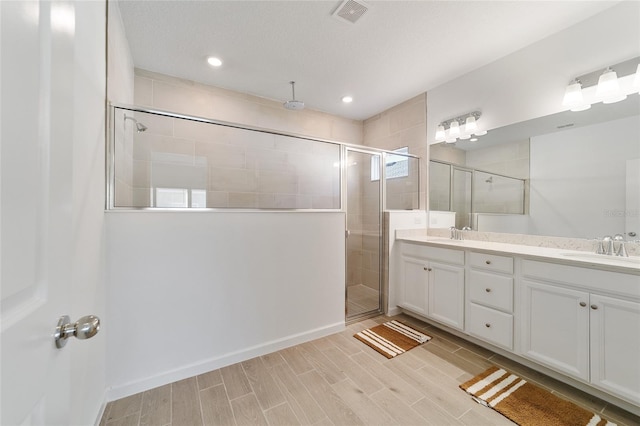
347, 99
214, 62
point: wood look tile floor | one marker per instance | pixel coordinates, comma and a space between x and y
337, 380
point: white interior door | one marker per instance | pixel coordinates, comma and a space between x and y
36, 215
632, 205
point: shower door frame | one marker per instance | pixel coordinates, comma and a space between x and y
381, 206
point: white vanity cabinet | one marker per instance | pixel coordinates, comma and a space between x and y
489, 299
577, 318
570, 326
432, 283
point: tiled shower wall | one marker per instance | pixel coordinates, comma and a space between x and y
182, 96
400, 126
229, 167
163, 92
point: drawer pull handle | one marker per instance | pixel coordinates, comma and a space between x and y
487, 325
594, 307
583, 304
488, 290
488, 262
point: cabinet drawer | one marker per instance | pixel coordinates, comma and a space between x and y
455, 257
490, 325
492, 290
491, 262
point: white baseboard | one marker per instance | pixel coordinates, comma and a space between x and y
393, 311
131, 388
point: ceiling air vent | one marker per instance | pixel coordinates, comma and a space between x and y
350, 11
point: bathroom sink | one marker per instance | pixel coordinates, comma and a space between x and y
602, 257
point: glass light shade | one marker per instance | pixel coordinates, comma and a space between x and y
470, 124
473, 140
450, 140
614, 99
454, 129
581, 107
481, 133
465, 137
608, 85
636, 79
440, 135
573, 94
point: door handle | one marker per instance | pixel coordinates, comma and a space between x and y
85, 328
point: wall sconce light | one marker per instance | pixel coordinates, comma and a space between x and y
611, 85
451, 130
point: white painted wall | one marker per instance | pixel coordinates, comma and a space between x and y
530, 83
88, 359
193, 291
120, 63
558, 187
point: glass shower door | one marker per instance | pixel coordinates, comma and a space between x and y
364, 233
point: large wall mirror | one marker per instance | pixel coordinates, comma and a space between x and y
571, 174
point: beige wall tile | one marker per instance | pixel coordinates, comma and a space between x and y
143, 92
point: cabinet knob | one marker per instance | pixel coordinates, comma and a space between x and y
594, 307
583, 304
487, 325
427, 269
488, 290
488, 262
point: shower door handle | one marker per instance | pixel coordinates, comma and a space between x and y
347, 233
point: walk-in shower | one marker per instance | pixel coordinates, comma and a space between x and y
183, 162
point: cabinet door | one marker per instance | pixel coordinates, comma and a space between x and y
555, 328
413, 294
446, 294
615, 346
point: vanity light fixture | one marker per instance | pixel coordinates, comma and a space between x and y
462, 127
608, 86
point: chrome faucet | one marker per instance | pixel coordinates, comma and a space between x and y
456, 234
612, 246
621, 250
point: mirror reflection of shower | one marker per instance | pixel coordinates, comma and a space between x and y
139, 126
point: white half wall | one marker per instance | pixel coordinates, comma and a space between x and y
189, 292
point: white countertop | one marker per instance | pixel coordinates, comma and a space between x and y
568, 257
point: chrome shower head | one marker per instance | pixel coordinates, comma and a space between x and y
139, 126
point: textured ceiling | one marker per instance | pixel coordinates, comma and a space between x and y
396, 51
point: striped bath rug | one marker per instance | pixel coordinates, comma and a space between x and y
391, 338
526, 404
